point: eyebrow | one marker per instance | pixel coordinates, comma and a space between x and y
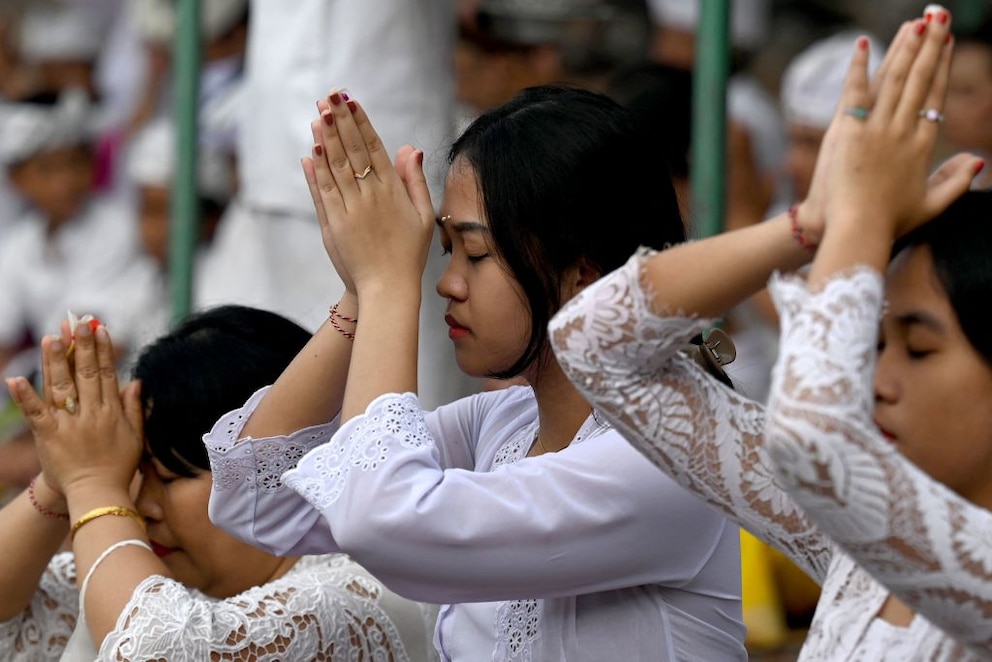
461, 227
921, 319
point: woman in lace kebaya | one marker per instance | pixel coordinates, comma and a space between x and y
182, 589
533, 520
883, 495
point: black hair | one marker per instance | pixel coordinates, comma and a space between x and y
209, 365
566, 178
960, 243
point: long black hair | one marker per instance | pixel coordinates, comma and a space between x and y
566, 178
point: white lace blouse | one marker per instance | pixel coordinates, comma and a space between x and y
927, 545
564, 556
325, 607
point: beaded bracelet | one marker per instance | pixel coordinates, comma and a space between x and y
335, 316
119, 511
797, 232
47, 512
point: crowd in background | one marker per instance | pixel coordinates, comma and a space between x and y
88, 146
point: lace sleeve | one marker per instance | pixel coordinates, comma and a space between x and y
41, 631
624, 358
317, 611
248, 499
929, 546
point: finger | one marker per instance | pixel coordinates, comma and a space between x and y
317, 157
328, 193
416, 187
891, 88
905, 32
937, 96
923, 73
399, 162
36, 412
133, 411
60, 389
855, 95
377, 154
107, 364
346, 151
949, 183
87, 375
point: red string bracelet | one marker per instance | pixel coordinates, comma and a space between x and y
335, 316
797, 232
40, 508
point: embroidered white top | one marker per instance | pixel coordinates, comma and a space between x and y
586, 554
324, 605
920, 541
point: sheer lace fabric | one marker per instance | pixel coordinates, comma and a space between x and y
557, 556
925, 543
623, 354
325, 608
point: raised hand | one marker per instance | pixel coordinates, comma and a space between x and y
376, 223
84, 435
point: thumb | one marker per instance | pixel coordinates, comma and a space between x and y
416, 185
131, 397
402, 158
949, 182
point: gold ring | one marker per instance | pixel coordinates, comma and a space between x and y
70, 404
365, 173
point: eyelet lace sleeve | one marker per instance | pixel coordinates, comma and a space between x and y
624, 357
926, 544
41, 631
248, 499
323, 609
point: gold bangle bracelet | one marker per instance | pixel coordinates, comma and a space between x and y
119, 511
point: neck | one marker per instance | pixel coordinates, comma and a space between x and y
561, 408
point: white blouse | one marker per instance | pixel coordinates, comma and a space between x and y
324, 605
586, 554
924, 543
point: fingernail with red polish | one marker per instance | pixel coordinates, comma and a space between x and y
863, 43
979, 166
920, 27
335, 98
344, 95
943, 17
318, 150
328, 117
352, 106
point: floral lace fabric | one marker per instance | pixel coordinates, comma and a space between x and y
623, 355
325, 608
927, 545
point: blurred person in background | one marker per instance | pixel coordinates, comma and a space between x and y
968, 113
394, 55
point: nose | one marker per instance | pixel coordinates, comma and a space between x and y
147, 503
886, 388
451, 284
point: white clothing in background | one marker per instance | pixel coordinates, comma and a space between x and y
324, 605
624, 358
396, 58
91, 265
589, 553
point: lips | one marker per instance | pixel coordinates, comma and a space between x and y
455, 330
889, 436
161, 550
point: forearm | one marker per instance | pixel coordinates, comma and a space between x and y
384, 359
852, 240
311, 389
705, 278
29, 540
113, 582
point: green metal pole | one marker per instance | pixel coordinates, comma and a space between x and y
709, 126
185, 203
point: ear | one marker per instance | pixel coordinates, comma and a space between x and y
579, 276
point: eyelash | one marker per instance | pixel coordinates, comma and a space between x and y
446, 250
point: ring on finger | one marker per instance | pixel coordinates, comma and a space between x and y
364, 173
70, 405
931, 115
857, 112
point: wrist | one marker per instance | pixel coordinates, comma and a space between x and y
85, 495
47, 501
801, 227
